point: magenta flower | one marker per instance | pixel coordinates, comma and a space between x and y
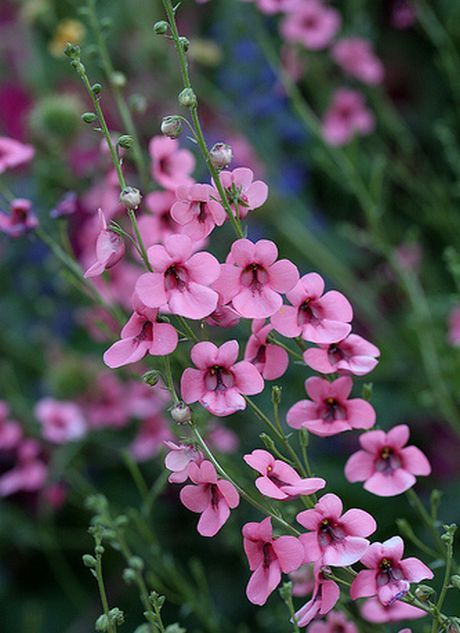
330, 411
13, 153
352, 355
219, 381
197, 211
303, 581
346, 116
279, 480
271, 360
385, 464
252, 278
141, 335
61, 421
243, 193
171, 166
213, 498
267, 558
110, 248
221, 439
10, 431
178, 460
388, 576
311, 24
317, 317
325, 595
153, 433
374, 611
271, 7
19, 220
29, 473
454, 326
336, 622
356, 58
180, 281
335, 539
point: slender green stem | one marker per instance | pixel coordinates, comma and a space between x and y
136, 475
416, 503
169, 379
275, 341
145, 259
103, 594
188, 330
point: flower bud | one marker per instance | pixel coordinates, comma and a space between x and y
88, 117
276, 394
185, 43
72, 51
181, 413
367, 391
96, 89
130, 197
171, 126
160, 28
125, 141
129, 576
99, 549
89, 561
102, 623
136, 563
424, 593
188, 98
118, 79
221, 156
151, 377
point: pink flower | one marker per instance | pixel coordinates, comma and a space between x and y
197, 211
325, 595
267, 558
404, 14
271, 360
386, 465
346, 116
330, 411
110, 248
178, 460
334, 623
106, 403
171, 166
243, 193
55, 495
13, 153
141, 335
211, 497
152, 434
180, 281
374, 611
303, 581
29, 473
252, 278
356, 58
157, 225
317, 317
335, 539
61, 421
454, 326
312, 24
271, 7
352, 355
10, 431
279, 480
224, 315
388, 576
19, 220
222, 439
219, 381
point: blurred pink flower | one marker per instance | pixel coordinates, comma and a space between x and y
106, 404
222, 439
346, 116
311, 23
152, 434
29, 473
157, 225
335, 622
171, 165
356, 57
374, 611
14, 153
404, 14
10, 430
19, 220
61, 421
454, 326
303, 581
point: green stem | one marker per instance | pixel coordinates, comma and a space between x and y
134, 224
169, 379
103, 594
416, 503
136, 474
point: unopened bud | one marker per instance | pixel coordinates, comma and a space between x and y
135, 562
151, 377
125, 141
181, 413
276, 394
129, 576
424, 593
188, 98
185, 43
88, 117
130, 197
89, 561
160, 28
286, 591
221, 155
118, 79
171, 126
96, 89
367, 391
99, 549
72, 51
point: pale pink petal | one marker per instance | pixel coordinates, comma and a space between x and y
192, 385
385, 485
285, 321
203, 268
150, 290
358, 522
414, 570
195, 498
165, 339
247, 379
283, 275
290, 553
415, 461
364, 585
359, 466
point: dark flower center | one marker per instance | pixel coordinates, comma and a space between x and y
330, 532
175, 278
332, 410
388, 572
146, 332
219, 378
254, 276
269, 555
387, 461
307, 313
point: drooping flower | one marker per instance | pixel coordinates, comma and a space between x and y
346, 116
303, 581
213, 498
330, 410
356, 57
352, 355
311, 23
220, 381
279, 480
171, 165
110, 248
252, 278
14, 153
141, 335
268, 557
271, 360
29, 473
325, 595
61, 421
178, 460
20, 220
180, 281
335, 539
336, 622
388, 575
244, 194
386, 465
313, 315
374, 611
151, 436
197, 211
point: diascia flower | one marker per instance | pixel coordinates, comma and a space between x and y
330, 410
178, 460
219, 381
312, 24
110, 248
336, 622
325, 595
28, 474
61, 421
171, 165
335, 539
252, 278
373, 610
389, 575
313, 315
19, 220
346, 116
352, 355
157, 225
268, 558
271, 360
357, 58
180, 281
386, 465
213, 498
279, 480
197, 211
14, 153
243, 192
